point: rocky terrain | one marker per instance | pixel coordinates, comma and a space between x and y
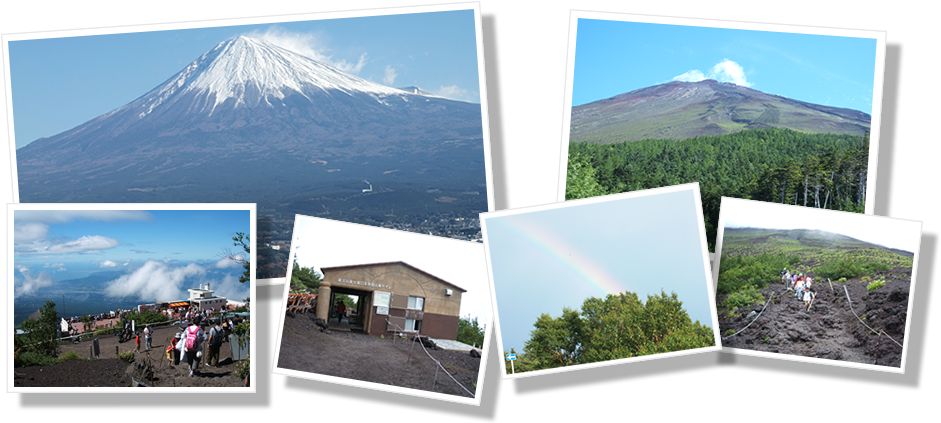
829, 329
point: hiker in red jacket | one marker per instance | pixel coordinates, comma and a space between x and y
341, 310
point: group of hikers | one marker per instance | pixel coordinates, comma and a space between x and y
187, 346
797, 282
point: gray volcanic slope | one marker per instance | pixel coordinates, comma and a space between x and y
680, 110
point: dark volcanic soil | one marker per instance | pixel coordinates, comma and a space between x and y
109, 371
363, 357
829, 330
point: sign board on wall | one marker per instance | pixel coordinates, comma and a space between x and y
381, 299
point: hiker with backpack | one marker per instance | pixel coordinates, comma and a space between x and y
192, 345
216, 335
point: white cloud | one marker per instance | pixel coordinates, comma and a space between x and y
66, 216
226, 263
724, 71
154, 281
56, 267
88, 244
389, 79
691, 76
308, 45
30, 283
108, 263
455, 92
348, 67
230, 287
29, 231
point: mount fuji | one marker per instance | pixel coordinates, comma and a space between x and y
250, 121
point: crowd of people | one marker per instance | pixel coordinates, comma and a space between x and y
187, 346
798, 282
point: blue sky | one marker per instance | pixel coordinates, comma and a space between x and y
163, 252
59, 83
542, 261
613, 57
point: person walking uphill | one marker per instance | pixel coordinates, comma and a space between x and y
216, 335
192, 345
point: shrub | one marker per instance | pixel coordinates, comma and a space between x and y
865, 278
738, 272
30, 358
744, 297
144, 317
127, 356
242, 333
874, 285
71, 355
243, 367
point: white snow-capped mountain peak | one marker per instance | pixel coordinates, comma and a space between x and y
253, 71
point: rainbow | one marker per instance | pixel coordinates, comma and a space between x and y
589, 270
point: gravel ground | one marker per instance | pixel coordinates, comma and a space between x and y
363, 357
109, 371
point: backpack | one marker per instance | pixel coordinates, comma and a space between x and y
191, 343
216, 338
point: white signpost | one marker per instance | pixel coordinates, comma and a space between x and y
511, 357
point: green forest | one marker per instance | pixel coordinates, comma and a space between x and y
618, 326
776, 165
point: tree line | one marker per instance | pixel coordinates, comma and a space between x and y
615, 327
826, 171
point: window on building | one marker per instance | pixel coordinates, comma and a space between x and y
416, 303
412, 325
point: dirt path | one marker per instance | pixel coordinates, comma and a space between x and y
829, 329
110, 371
362, 357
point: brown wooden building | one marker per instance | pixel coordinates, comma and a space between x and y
393, 297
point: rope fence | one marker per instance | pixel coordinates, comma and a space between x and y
850, 301
438, 363
753, 321
879, 332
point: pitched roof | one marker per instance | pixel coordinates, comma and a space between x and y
325, 269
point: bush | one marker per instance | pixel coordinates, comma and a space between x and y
743, 298
874, 285
243, 367
30, 358
844, 268
71, 355
738, 272
866, 278
127, 356
145, 317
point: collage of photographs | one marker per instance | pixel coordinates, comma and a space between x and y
366, 210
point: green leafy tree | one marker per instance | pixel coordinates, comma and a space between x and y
581, 181
41, 336
470, 332
305, 277
554, 342
618, 326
